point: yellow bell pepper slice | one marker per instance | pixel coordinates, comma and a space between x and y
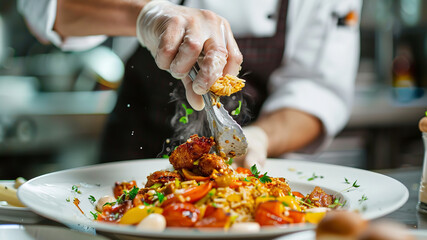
291, 202
136, 214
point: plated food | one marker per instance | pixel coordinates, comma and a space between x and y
204, 191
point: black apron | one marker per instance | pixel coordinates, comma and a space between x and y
140, 124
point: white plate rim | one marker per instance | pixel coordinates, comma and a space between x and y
25, 191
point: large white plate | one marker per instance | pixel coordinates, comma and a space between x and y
47, 195
12, 214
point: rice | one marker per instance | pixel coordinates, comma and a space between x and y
227, 85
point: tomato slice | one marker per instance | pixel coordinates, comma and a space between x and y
214, 218
297, 217
270, 213
243, 170
190, 195
298, 194
181, 215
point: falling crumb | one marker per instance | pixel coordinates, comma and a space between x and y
128, 105
132, 133
168, 140
226, 141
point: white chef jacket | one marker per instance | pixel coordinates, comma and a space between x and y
320, 58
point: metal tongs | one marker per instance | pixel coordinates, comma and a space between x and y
228, 135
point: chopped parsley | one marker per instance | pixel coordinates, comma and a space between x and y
91, 199
363, 198
188, 111
95, 215
254, 171
75, 189
230, 161
165, 156
264, 178
68, 199
236, 111
160, 196
346, 181
128, 195
147, 204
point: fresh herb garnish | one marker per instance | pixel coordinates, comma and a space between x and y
95, 215
264, 178
109, 203
160, 197
91, 199
132, 193
68, 199
354, 185
121, 198
335, 204
147, 204
363, 198
346, 181
236, 111
165, 156
254, 171
75, 189
314, 176
230, 161
188, 111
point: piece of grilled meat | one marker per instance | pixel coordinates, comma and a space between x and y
185, 154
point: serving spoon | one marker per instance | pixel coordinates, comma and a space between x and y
228, 135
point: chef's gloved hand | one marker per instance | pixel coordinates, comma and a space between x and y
257, 148
176, 36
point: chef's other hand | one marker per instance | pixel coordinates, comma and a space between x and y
176, 36
257, 148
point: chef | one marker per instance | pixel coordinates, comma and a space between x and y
299, 59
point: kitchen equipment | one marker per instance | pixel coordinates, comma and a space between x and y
228, 135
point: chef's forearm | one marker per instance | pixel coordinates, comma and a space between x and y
289, 130
97, 17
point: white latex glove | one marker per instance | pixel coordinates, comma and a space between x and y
176, 36
257, 148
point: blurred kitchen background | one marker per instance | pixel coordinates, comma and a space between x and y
53, 104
